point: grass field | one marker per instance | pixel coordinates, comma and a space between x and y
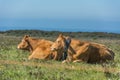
14, 64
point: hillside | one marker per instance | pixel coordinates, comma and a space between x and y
14, 63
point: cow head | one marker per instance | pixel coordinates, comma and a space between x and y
61, 45
24, 43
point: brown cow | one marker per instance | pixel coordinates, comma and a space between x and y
39, 48
82, 51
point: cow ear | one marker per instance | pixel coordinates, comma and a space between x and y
61, 35
26, 37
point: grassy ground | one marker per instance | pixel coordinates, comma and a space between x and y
15, 66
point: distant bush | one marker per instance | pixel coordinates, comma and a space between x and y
41, 33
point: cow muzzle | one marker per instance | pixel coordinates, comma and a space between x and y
18, 47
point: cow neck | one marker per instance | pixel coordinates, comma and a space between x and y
32, 44
65, 53
71, 50
68, 49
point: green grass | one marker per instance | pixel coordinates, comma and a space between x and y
14, 64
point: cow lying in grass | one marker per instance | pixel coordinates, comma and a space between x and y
82, 51
39, 48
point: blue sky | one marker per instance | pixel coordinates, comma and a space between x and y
82, 10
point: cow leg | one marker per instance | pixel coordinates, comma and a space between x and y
82, 54
35, 54
77, 61
65, 61
55, 56
30, 57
